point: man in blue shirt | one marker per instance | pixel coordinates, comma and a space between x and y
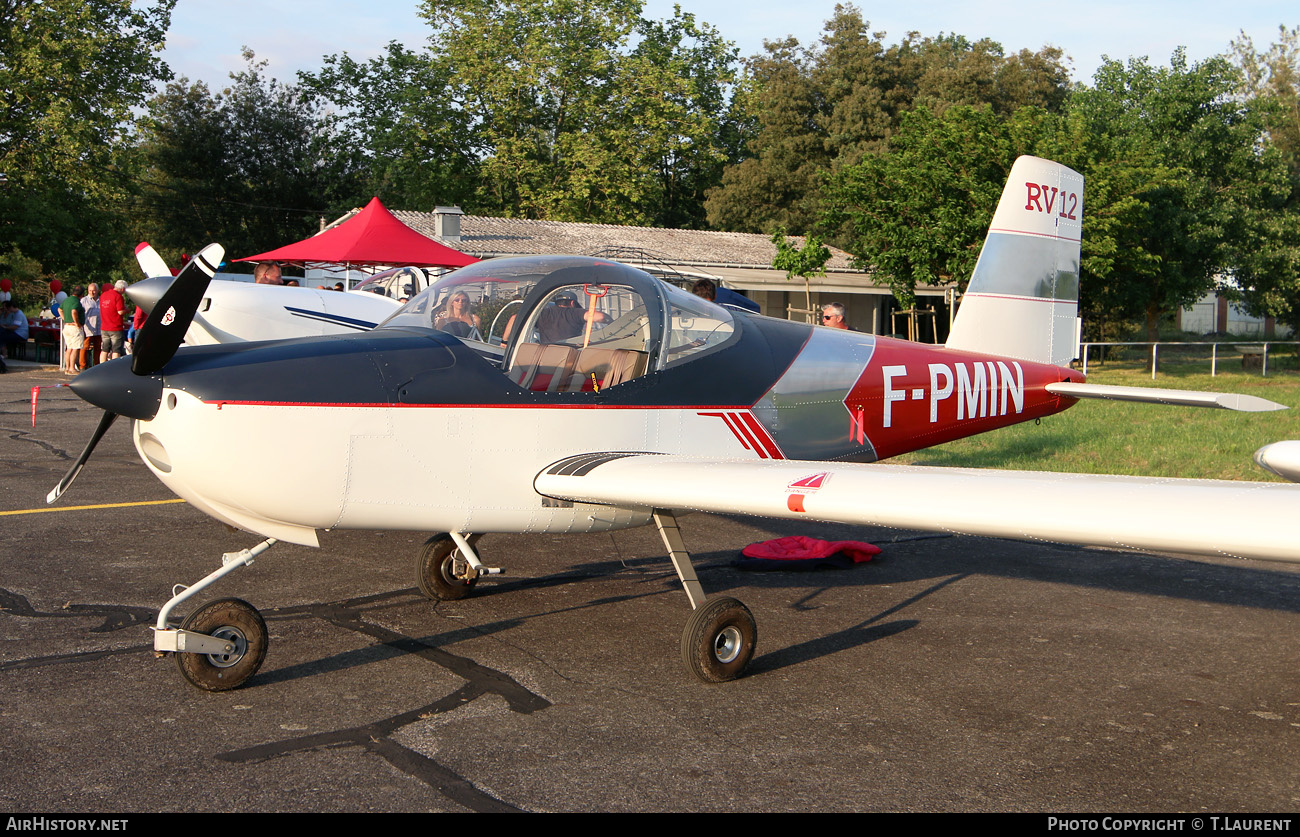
13, 328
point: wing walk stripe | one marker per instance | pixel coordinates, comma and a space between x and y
585, 463
582, 465
566, 467
589, 466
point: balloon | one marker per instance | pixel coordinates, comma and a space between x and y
55, 286
6, 285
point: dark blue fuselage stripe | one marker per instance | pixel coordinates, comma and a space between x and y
336, 319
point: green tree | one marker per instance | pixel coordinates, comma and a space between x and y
569, 121
70, 73
396, 122
185, 139
916, 213
1271, 80
689, 122
805, 262
770, 186
1180, 189
950, 70
1268, 277
827, 107
247, 166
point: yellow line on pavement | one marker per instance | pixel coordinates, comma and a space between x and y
100, 506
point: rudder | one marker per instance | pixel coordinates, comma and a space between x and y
1023, 299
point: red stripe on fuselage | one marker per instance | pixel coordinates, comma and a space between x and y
750, 433
377, 405
726, 419
769, 444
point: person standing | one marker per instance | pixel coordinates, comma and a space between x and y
74, 338
565, 319
112, 322
137, 323
713, 292
267, 273
13, 327
833, 316
90, 347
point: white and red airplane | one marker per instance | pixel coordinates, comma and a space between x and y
233, 311
620, 401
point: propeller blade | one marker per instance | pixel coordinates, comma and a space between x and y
171, 316
105, 422
150, 262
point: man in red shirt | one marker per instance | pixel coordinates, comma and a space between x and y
112, 321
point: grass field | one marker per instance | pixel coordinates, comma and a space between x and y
1107, 437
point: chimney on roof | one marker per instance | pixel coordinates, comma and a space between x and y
446, 222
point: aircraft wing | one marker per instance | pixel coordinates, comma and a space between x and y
1209, 517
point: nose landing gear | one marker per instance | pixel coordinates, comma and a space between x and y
232, 621
222, 644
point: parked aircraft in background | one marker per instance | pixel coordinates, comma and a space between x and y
235, 311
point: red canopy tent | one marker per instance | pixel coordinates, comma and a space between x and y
370, 238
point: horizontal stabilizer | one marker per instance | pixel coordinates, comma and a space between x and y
1180, 397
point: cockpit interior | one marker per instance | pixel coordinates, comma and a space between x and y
565, 324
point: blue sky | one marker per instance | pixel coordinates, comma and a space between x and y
206, 35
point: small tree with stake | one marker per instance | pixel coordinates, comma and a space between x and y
805, 262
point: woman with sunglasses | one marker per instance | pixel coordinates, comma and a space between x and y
456, 318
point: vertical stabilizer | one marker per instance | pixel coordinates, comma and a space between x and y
1023, 299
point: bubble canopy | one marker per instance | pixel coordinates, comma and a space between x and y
570, 310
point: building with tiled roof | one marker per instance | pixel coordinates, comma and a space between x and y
741, 261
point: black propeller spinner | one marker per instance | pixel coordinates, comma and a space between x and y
139, 396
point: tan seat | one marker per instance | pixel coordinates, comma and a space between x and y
543, 367
604, 368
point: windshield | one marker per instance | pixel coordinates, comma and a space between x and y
398, 284
478, 302
697, 326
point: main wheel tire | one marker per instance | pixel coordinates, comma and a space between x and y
435, 570
231, 619
719, 640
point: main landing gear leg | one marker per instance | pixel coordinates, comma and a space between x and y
720, 635
222, 644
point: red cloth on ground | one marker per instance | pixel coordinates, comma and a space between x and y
801, 548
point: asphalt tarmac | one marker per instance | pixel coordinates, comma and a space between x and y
951, 674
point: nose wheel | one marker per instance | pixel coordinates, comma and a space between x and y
238, 624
